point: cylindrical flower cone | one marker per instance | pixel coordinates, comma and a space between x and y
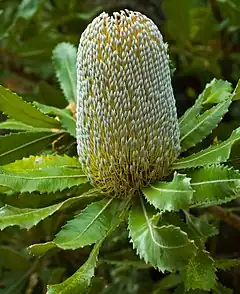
127, 128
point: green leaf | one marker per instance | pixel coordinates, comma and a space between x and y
174, 195
165, 247
218, 91
178, 27
80, 280
120, 212
50, 95
168, 282
200, 272
12, 259
64, 59
42, 173
13, 105
42, 248
28, 217
88, 227
214, 185
16, 146
28, 8
194, 126
236, 92
11, 124
200, 226
199, 128
225, 264
65, 117
213, 154
220, 289
197, 228
211, 90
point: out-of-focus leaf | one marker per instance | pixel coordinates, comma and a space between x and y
214, 185
200, 272
72, 16
51, 95
42, 173
17, 146
12, 105
220, 289
28, 8
64, 59
27, 217
213, 154
225, 264
164, 247
174, 195
168, 282
12, 259
65, 117
79, 282
178, 25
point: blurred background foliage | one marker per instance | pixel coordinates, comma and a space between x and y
204, 42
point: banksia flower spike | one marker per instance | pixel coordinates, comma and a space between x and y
127, 129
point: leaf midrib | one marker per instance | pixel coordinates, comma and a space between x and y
151, 231
63, 244
202, 121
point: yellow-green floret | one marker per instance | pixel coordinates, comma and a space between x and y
127, 129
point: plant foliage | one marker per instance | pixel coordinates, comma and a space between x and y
56, 229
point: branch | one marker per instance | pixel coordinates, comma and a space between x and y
226, 216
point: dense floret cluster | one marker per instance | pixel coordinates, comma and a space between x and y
127, 129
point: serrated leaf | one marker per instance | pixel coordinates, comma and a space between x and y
200, 226
220, 289
11, 124
18, 145
214, 185
211, 90
197, 228
120, 212
88, 227
65, 117
13, 105
42, 248
43, 174
202, 125
213, 154
218, 91
200, 272
236, 92
174, 195
80, 280
225, 264
28, 217
165, 247
64, 59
